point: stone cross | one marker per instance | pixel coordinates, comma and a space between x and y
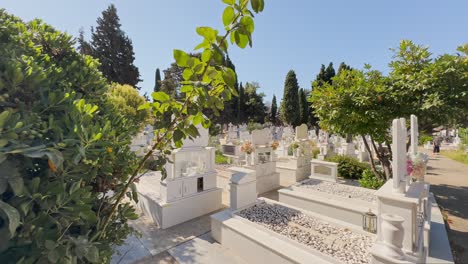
414, 135
399, 155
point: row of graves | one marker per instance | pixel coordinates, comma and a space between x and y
280, 156
316, 220
322, 220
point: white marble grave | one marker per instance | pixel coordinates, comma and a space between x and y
296, 168
190, 188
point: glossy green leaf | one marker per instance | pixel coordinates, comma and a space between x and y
248, 23
229, 2
208, 33
92, 254
228, 15
10, 214
186, 88
206, 55
178, 135
16, 184
181, 57
187, 74
160, 96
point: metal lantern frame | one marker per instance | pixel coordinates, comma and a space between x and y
369, 222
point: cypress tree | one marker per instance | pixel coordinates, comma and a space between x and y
241, 105
114, 49
329, 73
321, 76
274, 110
290, 104
157, 81
343, 67
303, 107
230, 112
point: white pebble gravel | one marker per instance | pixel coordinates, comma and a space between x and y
337, 242
343, 190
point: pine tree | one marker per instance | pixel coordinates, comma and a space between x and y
157, 81
342, 67
290, 104
254, 107
274, 110
303, 107
113, 49
329, 73
83, 46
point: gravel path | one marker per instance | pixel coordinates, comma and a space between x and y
343, 190
338, 242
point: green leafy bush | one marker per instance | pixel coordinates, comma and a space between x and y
348, 167
423, 138
370, 181
126, 100
315, 152
63, 150
220, 158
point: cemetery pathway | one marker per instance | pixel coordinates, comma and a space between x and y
449, 184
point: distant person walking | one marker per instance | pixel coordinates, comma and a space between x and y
436, 144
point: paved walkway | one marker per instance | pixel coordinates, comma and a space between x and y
449, 183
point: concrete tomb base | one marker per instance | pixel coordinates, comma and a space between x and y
293, 170
169, 213
348, 209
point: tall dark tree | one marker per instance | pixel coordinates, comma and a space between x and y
241, 116
342, 67
157, 81
303, 107
330, 73
273, 110
312, 119
255, 109
229, 114
172, 79
83, 46
113, 48
290, 104
321, 76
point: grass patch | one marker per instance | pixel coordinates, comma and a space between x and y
458, 155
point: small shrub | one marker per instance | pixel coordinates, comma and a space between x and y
348, 167
220, 158
290, 150
370, 181
423, 138
315, 152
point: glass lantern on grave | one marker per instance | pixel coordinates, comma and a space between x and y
369, 222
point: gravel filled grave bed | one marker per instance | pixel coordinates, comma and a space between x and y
343, 190
338, 242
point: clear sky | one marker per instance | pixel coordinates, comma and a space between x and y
289, 34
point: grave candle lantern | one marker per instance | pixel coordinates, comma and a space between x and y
369, 222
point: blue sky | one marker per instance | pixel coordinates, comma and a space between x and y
294, 34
